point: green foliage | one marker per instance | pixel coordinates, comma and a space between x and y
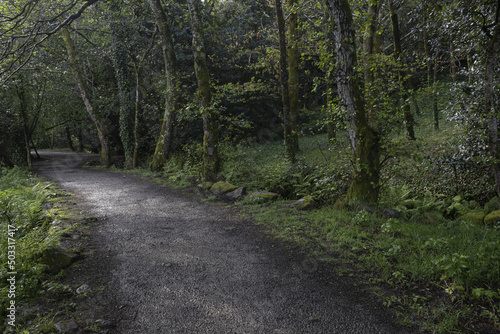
24, 227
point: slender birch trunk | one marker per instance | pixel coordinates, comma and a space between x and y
102, 130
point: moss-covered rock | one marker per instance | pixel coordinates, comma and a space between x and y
476, 216
492, 218
433, 217
262, 197
205, 186
57, 258
305, 203
222, 187
492, 205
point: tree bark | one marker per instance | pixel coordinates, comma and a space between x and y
291, 135
404, 81
490, 108
102, 130
284, 74
124, 84
211, 161
172, 93
365, 140
370, 48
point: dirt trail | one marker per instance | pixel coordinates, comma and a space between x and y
170, 264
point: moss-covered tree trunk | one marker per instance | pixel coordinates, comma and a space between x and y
291, 134
283, 66
124, 81
366, 156
370, 48
172, 92
210, 120
102, 130
329, 27
403, 79
491, 112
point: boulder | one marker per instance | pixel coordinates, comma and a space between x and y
492, 205
304, 203
205, 186
262, 196
492, 218
221, 187
391, 213
235, 195
476, 216
57, 258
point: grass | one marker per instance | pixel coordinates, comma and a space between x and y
26, 233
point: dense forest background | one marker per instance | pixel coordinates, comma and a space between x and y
186, 82
381, 113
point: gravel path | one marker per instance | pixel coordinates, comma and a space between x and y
175, 265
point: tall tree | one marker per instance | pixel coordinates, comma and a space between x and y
172, 93
365, 140
492, 50
123, 77
403, 78
101, 127
284, 74
210, 125
291, 134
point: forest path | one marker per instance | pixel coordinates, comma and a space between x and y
170, 264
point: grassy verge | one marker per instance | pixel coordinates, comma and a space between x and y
443, 276
27, 213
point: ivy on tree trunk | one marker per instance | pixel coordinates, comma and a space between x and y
210, 125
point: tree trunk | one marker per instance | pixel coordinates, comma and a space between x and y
398, 55
291, 136
489, 87
102, 130
123, 78
426, 50
329, 26
369, 49
210, 125
435, 107
364, 139
283, 63
172, 93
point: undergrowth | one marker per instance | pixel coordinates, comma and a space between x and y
24, 226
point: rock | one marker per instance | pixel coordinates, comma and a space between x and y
236, 195
477, 217
67, 327
57, 258
492, 205
391, 213
105, 324
83, 289
304, 203
492, 218
262, 196
205, 186
433, 218
221, 187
